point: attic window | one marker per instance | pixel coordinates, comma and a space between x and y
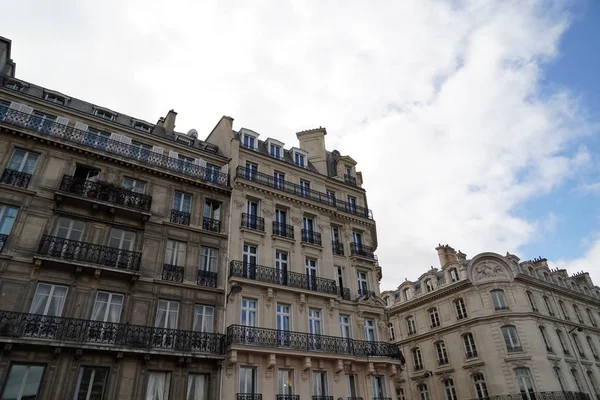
104, 114
249, 141
140, 126
55, 98
14, 85
275, 151
299, 158
183, 139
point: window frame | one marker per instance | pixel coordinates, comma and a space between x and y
24, 379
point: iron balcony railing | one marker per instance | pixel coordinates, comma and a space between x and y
253, 222
180, 217
266, 274
290, 340
359, 249
367, 293
471, 354
206, 278
315, 397
350, 179
211, 224
105, 192
382, 398
287, 397
173, 273
73, 250
311, 237
514, 349
337, 248
15, 178
541, 396
355, 398
344, 292
88, 139
3, 239
249, 396
297, 190
501, 308
23, 325
283, 230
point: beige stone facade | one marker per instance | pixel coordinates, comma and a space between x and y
308, 322
494, 326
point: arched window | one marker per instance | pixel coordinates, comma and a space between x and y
525, 383
423, 391
469, 343
511, 339
434, 317
499, 300
441, 352
417, 359
411, 326
532, 301
481, 391
449, 389
461, 309
453, 275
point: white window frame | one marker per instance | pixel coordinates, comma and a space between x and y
204, 318
469, 344
441, 352
461, 308
48, 298
511, 337
134, 185
175, 252
26, 156
450, 389
208, 258
166, 385
499, 299
434, 317
411, 325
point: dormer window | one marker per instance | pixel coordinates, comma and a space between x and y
275, 151
299, 157
55, 98
429, 285
249, 139
140, 126
104, 114
183, 139
14, 85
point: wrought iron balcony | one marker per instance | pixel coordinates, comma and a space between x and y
322, 398
254, 222
88, 139
73, 250
366, 293
211, 224
290, 340
311, 237
287, 397
265, 274
349, 179
180, 217
355, 398
345, 293
382, 398
542, 396
23, 325
297, 190
359, 249
172, 273
206, 278
3, 239
106, 192
283, 230
15, 178
249, 396
501, 308
337, 248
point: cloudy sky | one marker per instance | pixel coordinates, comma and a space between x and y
475, 123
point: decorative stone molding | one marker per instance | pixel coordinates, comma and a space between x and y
302, 303
304, 376
238, 204
307, 365
331, 307
381, 325
268, 212
268, 373
269, 297
296, 220
272, 361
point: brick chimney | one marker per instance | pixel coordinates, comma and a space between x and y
313, 142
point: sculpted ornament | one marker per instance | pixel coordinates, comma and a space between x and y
487, 271
296, 220
238, 204
268, 212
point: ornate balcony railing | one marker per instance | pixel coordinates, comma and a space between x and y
542, 396
355, 398
349, 179
105, 192
73, 250
359, 249
287, 397
249, 396
88, 139
290, 340
297, 190
367, 293
3, 239
382, 398
173, 273
35, 326
180, 217
15, 178
266, 274
254, 222
206, 278
501, 308
337, 248
322, 398
311, 237
211, 224
283, 230
345, 293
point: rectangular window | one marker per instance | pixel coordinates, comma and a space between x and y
304, 188
23, 382
351, 387
352, 204
104, 114
251, 171
278, 180
197, 388
299, 160
175, 253
140, 126
499, 300
134, 185
23, 161
331, 197
311, 273
54, 98
204, 318
182, 202
159, 385
208, 259
283, 317
378, 383
248, 315
363, 283
48, 300
212, 209
285, 382
275, 151
97, 138
7, 219
107, 307
167, 314
370, 330
281, 267
314, 321
319, 383
42, 122
91, 383
140, 151
247, 384
249, 142
345, 327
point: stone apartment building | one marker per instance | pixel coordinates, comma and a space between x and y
492, 327
113, 251
304, 316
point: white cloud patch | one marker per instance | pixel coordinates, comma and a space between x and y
439, 102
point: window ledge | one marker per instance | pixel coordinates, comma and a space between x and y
194, 229
30, 192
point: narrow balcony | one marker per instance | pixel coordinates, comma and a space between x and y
16, 325
291, 340
3, 239
180, 217
542, 395
68, 134
344, 293
88, 253
514, 349
283, 230
296, 190
99, 192
253, 222
361, 250
471, 354
382, 398
206, 278
287, 397
354, 398
311, 237
366, 293
271, 275
15, 178
248, 396
172, 273
337, 248
350, 180
322, 397
211, 224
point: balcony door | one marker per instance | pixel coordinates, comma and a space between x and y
252, 214
249, 257
247, 380
311, 273
370, 330
308, 226
351, 386
48, 303
167, 314
345, 327
339, 277
378, 383
251, 171
248, 320
358, 241
182, 202
281, 222
285, 382
281, 267
107, 313
363, 286
68, 231
319, 383
283, 325
203, 323
314, 328
120, 240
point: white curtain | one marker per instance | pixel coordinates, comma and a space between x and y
100, 307
38, 306
196, 387
57, 301
159, 384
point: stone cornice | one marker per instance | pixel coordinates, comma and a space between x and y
436, 294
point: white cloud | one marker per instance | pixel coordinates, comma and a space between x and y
438, 101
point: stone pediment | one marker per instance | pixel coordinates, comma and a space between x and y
488, 268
